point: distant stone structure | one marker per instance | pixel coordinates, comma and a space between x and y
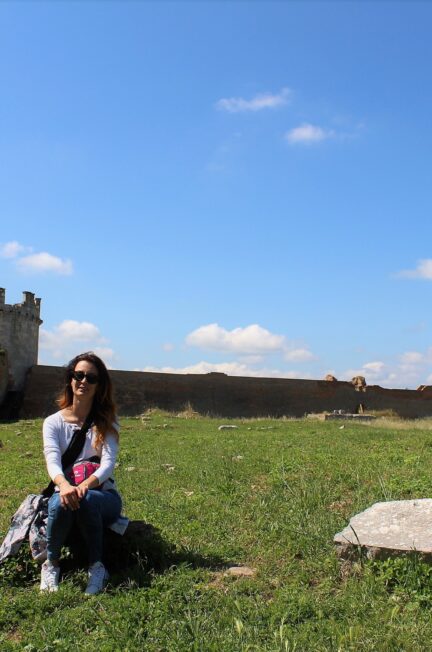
229, 396
28, 390
359, 383
4, 374
19, 338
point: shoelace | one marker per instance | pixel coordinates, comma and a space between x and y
50, 575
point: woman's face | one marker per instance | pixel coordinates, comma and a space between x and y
81, 387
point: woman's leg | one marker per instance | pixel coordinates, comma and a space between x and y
59, 524
97, 510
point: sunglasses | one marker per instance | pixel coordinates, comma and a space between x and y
80, 375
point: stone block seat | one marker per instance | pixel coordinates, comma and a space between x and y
388, 529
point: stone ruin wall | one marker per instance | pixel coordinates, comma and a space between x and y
230, 396
19, 339
214, 394
4, 374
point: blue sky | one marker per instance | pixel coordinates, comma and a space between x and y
221, 186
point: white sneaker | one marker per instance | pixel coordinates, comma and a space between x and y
97, 578
50, 575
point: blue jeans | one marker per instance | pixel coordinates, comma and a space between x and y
97, 510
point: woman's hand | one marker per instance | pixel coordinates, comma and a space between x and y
91, 483
69, 496
82, 490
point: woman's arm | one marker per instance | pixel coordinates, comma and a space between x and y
69, 495
52, 451
108, 459
52, 448
92, 482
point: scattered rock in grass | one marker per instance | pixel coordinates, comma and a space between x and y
233, 571
240, 571
130, 468
227, 427
236, 458
341, 427
18, 432
168, 467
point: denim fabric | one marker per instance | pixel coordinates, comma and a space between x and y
97, 510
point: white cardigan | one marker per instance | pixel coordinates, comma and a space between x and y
57, 434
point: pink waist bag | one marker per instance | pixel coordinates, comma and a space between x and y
81, 471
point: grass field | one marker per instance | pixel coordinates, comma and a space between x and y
269, 495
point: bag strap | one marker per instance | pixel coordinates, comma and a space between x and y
76, 444
71, 453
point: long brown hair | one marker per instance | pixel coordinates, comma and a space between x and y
103, 408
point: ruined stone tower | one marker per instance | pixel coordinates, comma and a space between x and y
19, 336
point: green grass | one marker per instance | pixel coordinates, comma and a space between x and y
270, 495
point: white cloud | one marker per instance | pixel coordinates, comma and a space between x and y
34, 263
423, 270
69, 338
412, 357
251, 343
371, 370
410, 369
257, 103
251, 359
375, 373
12, 249
78, 330
229, 368
298, 355
252, 339
44, 262
104, 352
374, 367
307, 134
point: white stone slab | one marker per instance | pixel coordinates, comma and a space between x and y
389, 529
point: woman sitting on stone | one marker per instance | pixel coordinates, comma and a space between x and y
89, 501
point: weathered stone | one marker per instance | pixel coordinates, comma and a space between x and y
344, 415
228, 397
388, 529
359, 383
341, 415
19, 336
236, 572
240, 571
4, 374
